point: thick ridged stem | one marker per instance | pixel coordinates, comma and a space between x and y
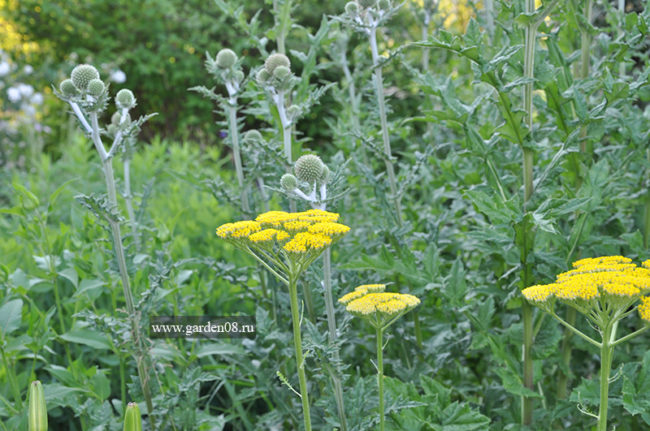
380, 375
379, 90
585, 46
606, 354
297, 343
236, 155
331, 326
107, 164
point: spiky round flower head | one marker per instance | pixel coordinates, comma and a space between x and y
367, 3
289, 182
226, 58
96, 87
352, 9
281, 73
111, 129
262, 76
253, 136
67, 88
82, 75
308, 168
125, 99
383, 4
274, 61
239, 76
324, 176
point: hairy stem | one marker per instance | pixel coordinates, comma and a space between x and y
379, 90
128, 199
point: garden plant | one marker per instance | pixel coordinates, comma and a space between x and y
427, 214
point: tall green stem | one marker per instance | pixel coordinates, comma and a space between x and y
128, 199
563, 380
236, 154
380, 375
13, 382
585, 47
606, 354
379, 90
331, 326
297, 343
107, 164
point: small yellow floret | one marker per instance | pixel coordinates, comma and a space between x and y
539, 293
382, 302
296, 225
268, 235
238, 229
329, 228
304, 241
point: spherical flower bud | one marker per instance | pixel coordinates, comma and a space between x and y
263, 76
276, 60
352, 9
226, 58
125, 99
82, 75
308, 168
288, 182
111, 129
67, 88
281, 73
239, 76
367, 3
383, 4
253, 136
96, 87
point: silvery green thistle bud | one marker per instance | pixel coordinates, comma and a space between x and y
383, 4
289, 182
132, 418
276, 60
352, 9
125, 99
111, 129
253, 136
96, 87
367, 3
37, 419
324, 176
293, 112
82, 75
308, 168
226, 58
281, 73
67, 88
239, 76
263, 76
117, 117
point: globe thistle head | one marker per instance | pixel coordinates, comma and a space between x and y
226, 58
125, 99
96, 87
276, 60
288, 182
352, 9
367, 3
111, 129
82, 75
239, 76
281, 73
324, 176
67, 88
262, 76
253, 136
308, 168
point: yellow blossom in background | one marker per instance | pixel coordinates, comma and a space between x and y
644, 309
11, 40
455, 14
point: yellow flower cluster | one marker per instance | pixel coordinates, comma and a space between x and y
369, 299
644, 308
268, 235
608, 276
298, 232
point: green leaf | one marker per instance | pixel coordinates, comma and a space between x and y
221, 348
11, 316
460, 417
58, 395
70, 274
513, 384
101, 386
87, 337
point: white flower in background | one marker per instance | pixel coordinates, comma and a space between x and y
4, 68
37, 99
13, 94
29, 110
26, 90
28, 69
117, 76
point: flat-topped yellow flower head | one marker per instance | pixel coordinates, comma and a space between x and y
240, 229
267, 235
380, 307
644, 308
306, 241
614, 280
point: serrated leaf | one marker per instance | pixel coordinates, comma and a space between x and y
11, 316
87, 337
